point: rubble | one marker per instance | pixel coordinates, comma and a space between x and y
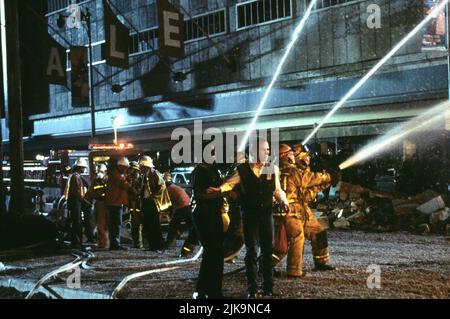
431, 206
341, 224
357, 207
322, 219
439, 216
423, 229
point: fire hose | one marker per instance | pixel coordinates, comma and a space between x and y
163, 267
80, 261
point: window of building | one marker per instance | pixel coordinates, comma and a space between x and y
56, 5
329, 3
200, 26
262, 11
435, 31
144, 41
60, 5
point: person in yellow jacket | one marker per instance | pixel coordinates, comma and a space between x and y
97, 192
74, 194
311, 184
134, 198
289, 225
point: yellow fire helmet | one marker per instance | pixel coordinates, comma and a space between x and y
147, 161
301, 154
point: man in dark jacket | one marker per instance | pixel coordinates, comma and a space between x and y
209, 226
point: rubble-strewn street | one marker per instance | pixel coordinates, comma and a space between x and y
411, 266
146, 143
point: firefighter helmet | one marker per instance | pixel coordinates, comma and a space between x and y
81, 162
302, 155
102, 168
135, 165
147, 161
123, 162
285, 150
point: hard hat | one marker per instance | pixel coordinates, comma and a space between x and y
81, 162
285, 150
67, 169
167, 177
123, 162
102, 168
300, 148
146, 161
301, 154
135, 165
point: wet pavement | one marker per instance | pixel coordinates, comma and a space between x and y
409, 266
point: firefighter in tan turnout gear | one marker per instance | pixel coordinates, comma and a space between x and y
311, 184
134, 199
289, 232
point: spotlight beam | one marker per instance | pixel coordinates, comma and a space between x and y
286, 54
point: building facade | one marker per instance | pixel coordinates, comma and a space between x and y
223, 75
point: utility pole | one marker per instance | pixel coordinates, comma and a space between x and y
87, 19
14, 106
447, 38
84, 16
2, 103
446, 150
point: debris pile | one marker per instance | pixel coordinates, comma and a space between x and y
356, 207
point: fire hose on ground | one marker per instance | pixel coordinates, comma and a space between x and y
159, 268
80, 261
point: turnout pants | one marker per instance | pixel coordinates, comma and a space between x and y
76, 232
297, 228
318, 237
179, 215
114, 221
152, 226
137, 224
102, 212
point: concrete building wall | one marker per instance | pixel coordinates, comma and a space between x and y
336, 49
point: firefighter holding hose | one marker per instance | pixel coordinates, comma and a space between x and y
311, 184
289, 225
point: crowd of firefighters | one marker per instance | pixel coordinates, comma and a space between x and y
263, 206
133, 186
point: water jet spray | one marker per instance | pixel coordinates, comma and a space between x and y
361, 82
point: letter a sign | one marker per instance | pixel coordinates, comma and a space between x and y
117, 39
171, 30
56, 63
